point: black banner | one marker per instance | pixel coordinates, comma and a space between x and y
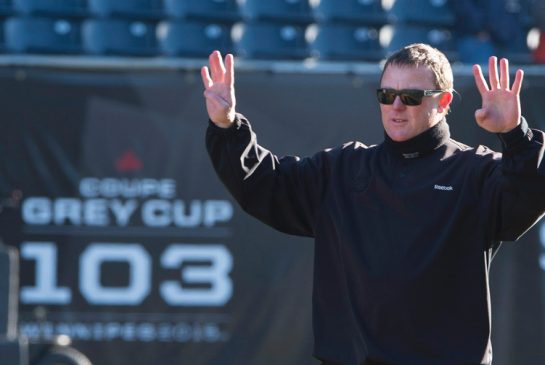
131, 246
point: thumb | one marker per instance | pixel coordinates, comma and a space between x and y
219, 111
481, 115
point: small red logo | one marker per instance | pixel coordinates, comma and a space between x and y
128, 162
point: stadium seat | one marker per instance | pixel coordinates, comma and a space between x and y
207, 10
119, 37
68, 8
440, 38
6, 8
347, 42
2, 37
194, 38
516, 51
368, 12
263, 40
133, 9
293, 11
42, 35
423, 12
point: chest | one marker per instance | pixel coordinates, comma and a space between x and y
405, 214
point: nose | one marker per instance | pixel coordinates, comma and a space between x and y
398, 104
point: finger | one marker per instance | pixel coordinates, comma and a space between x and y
493, 72
212, 60
205, 76
230, 70
216, 66
219, 71
479, 79
517, 84
504, 74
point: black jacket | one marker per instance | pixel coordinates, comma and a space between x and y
404, 234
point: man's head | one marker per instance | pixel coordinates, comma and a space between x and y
414, 67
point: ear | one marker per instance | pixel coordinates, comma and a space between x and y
444, 101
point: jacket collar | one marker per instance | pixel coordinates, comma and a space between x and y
421, 144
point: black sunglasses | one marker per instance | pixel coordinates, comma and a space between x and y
408, 96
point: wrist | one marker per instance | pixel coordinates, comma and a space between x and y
226, 122
223, 125
515, 135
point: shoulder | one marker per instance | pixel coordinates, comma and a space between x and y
474, 160
346, 150
350, 151
479, 161
344, 157
478, 152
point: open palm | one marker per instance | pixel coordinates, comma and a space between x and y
219, 90
500, 111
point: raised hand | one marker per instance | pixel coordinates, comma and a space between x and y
500, 111
219, 91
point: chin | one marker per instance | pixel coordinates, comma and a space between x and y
398, 136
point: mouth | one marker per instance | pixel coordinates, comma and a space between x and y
398, 120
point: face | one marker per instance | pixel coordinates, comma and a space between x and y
402, 122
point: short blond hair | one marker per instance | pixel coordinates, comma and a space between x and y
420, 54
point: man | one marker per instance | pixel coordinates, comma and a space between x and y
404, 231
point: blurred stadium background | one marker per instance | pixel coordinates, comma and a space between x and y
363, 30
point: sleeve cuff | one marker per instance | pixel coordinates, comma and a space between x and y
516, 136
237, 124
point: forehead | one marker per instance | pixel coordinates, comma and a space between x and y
406, 77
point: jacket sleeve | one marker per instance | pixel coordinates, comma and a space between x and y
285, 193
518, 184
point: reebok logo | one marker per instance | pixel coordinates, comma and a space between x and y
443, 187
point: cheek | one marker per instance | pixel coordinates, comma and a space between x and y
415, 114
418, 118
423, 114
